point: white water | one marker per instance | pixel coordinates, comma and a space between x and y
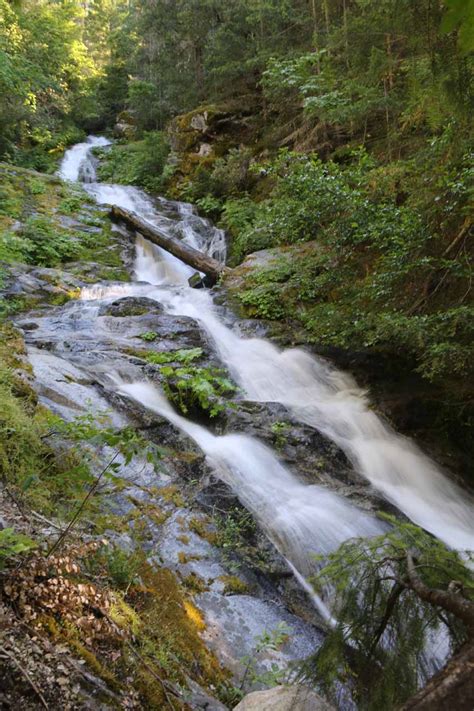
78, 162
330, 401
301, 519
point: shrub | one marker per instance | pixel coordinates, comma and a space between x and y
139, 163
12, 544
231, 174
191, 388
47, 245
363, 271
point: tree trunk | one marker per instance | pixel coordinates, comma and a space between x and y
200, 261
451, 689
449, 601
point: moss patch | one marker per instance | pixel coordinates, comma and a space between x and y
234, 585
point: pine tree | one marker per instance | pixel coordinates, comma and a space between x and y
394, 595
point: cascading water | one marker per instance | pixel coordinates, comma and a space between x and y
329, 400
301, 519
79, 163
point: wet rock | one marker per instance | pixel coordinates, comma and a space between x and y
284, 698
199, 122
125, 126
131, 306
236, 622
197, 281
25, 280
200, 699
67, 390
125, 130
302, 447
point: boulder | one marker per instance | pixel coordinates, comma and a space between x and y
125, 126
205, 150
284, 698
200, 122
125, 130
131, 306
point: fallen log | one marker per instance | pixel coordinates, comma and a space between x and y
196, 259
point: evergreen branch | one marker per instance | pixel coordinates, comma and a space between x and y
449, 601
391, 602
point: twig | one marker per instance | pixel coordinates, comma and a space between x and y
26, 676
164, 685
464, 229
81, 507
42, 518
391, 602
426, 291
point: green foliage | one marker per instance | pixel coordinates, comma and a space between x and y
367, 263
183, 355
237, 218
231, 175
206, 389
381, 616
263, 301
41, 236
209, 205
268, 641
43, 64
122, 567
235, 529
46, 245
92, 428
12, 248
279, 430
10, 203
71, 203
148, 336
13, 544
460, 14
23, 454
191, 388
37, 187
140, 163
143, 98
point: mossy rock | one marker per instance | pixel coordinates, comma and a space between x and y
131, 306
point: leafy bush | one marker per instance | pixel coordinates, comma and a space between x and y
12, 544
72, 203
183, 355
209, 205
231, 175
148, 336
363, 272
10, 205
139, 163
206, 389
46, 245
13, 248
381, 615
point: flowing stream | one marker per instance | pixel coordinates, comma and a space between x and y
301, 519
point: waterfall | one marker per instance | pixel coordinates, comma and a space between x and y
301, 519
314, 392
78, 163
